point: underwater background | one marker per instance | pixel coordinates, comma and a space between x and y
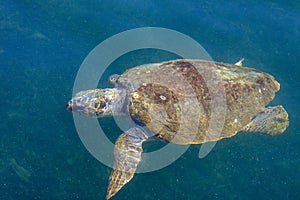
42, 45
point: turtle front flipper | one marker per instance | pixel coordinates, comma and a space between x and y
128, 152
273, 121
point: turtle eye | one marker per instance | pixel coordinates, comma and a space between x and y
96, 105
102, 104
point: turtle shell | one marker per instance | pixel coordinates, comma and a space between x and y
180, 100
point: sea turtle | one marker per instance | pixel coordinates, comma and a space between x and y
167, 100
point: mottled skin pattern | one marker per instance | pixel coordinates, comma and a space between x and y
176, 100
127, 147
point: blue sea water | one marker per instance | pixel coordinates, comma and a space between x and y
42, 45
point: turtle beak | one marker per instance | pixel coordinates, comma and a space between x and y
69, 106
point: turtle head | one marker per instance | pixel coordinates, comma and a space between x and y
95, 103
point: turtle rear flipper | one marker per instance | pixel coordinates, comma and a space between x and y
128, 152
273, 121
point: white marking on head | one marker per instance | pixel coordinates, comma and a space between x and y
162, 97
135, 95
